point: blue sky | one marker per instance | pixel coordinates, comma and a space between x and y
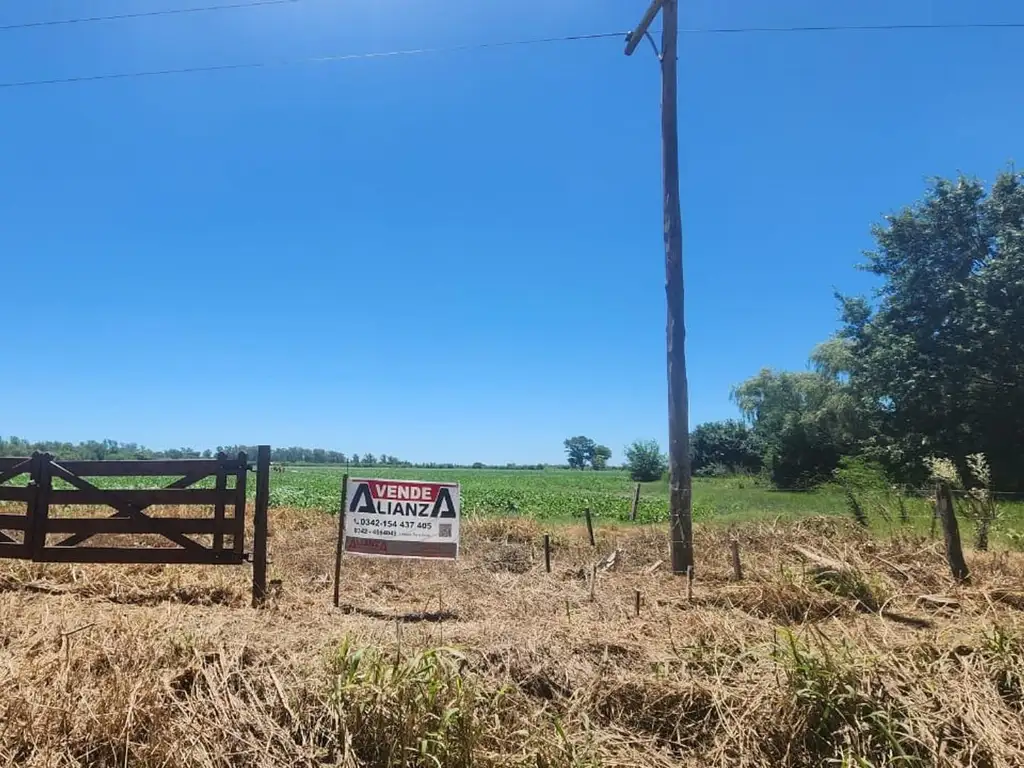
455, 256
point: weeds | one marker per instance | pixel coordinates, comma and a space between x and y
846, 718
855, 508
979, 502
1005, 656
868, 491
852, 585
902, 504
418, 711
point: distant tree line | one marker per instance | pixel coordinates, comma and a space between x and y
299, 455
102, 450
105, 450
95, 450
931, 368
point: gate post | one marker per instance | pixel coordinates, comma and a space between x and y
30, 505
260, 527
39, 508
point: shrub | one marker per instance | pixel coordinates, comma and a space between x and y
731, 445
645, 461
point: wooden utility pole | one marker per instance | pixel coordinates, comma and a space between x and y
680, 501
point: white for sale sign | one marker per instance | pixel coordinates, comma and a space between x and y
402, 518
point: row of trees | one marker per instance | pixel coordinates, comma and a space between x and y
644, 459
933, 366
98, 450
102, 450
299, 455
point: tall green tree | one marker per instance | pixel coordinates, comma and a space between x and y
602, 453
937, 364
805, 421
579, 451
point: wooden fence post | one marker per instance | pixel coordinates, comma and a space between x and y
737, 568
32, 504
547, 553
241, 480
636, 503
41, 510
221, 484
260, 527
947, 515
590, 527
341, 540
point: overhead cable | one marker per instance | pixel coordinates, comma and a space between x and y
481, 46
145, 14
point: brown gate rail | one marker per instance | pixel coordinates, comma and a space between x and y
25, 536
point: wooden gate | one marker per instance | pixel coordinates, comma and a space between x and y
14, 527
49, 530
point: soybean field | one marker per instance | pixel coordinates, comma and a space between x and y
562, 494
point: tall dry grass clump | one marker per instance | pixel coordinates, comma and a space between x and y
979, 503
836, 649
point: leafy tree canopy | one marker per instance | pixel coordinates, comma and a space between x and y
602, 453
724, 447
938, 365
645, 461
580, 451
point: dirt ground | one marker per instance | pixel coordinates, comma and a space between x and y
834, 649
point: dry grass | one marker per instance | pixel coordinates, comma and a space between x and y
491, 661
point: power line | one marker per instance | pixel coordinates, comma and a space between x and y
856, 28
483, 46
145, 14
306, 60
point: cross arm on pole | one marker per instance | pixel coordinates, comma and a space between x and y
634, 37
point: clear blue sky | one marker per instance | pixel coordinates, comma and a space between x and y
453, 256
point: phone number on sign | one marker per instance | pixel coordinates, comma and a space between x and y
387, 527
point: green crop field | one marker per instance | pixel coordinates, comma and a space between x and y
562, 495
558, 494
